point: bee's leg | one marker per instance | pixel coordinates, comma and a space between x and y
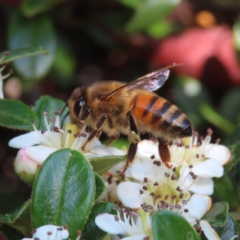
134, 138
84, 116
163, 150
96, 131
112, 139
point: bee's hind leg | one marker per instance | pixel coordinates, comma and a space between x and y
112, 139
96, 131
163, 150
134, 138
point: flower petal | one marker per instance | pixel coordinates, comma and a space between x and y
25, 140
194, 213
202, 186
107, 223
128, 193
146, 149
208, 168
209, 232
218, 153
140, 169
58, 233
39, 153
104, 150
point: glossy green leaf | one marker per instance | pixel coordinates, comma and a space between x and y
171, 226
228, 231
17, 115
51, 106
218, 214
33, 7
22, 53
20, 220
64, 191
30, 33
149, 12
100, 186
225, 190
102, 164
91, 231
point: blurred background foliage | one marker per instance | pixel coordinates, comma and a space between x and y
95, 40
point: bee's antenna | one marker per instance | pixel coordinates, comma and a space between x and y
63, 108
63, 119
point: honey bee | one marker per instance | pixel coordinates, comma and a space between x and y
130, 109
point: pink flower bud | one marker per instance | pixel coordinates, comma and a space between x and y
25, 166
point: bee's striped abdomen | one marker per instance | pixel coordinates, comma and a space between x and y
161, 115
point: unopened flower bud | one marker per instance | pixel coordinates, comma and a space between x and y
25, 166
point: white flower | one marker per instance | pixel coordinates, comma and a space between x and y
37, 145
135, 226
204, 160
49, 232
162, 189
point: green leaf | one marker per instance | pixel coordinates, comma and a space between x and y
237, 226
234, 138
120, 143
21, 53
171, 226
160, 29
132, 3
232, 98
233, 143
218, 214
225, 190
216, 119
150, 12
236, 218
17, 115
64, 64
35, 32
20, 220
228, 231
64, 191
51, 106
102, 164
91, 231
100, 186
33, 7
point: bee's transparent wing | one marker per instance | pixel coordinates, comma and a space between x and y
150, 82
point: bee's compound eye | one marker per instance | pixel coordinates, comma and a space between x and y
78, 105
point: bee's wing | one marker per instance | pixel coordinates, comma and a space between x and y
150, 82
